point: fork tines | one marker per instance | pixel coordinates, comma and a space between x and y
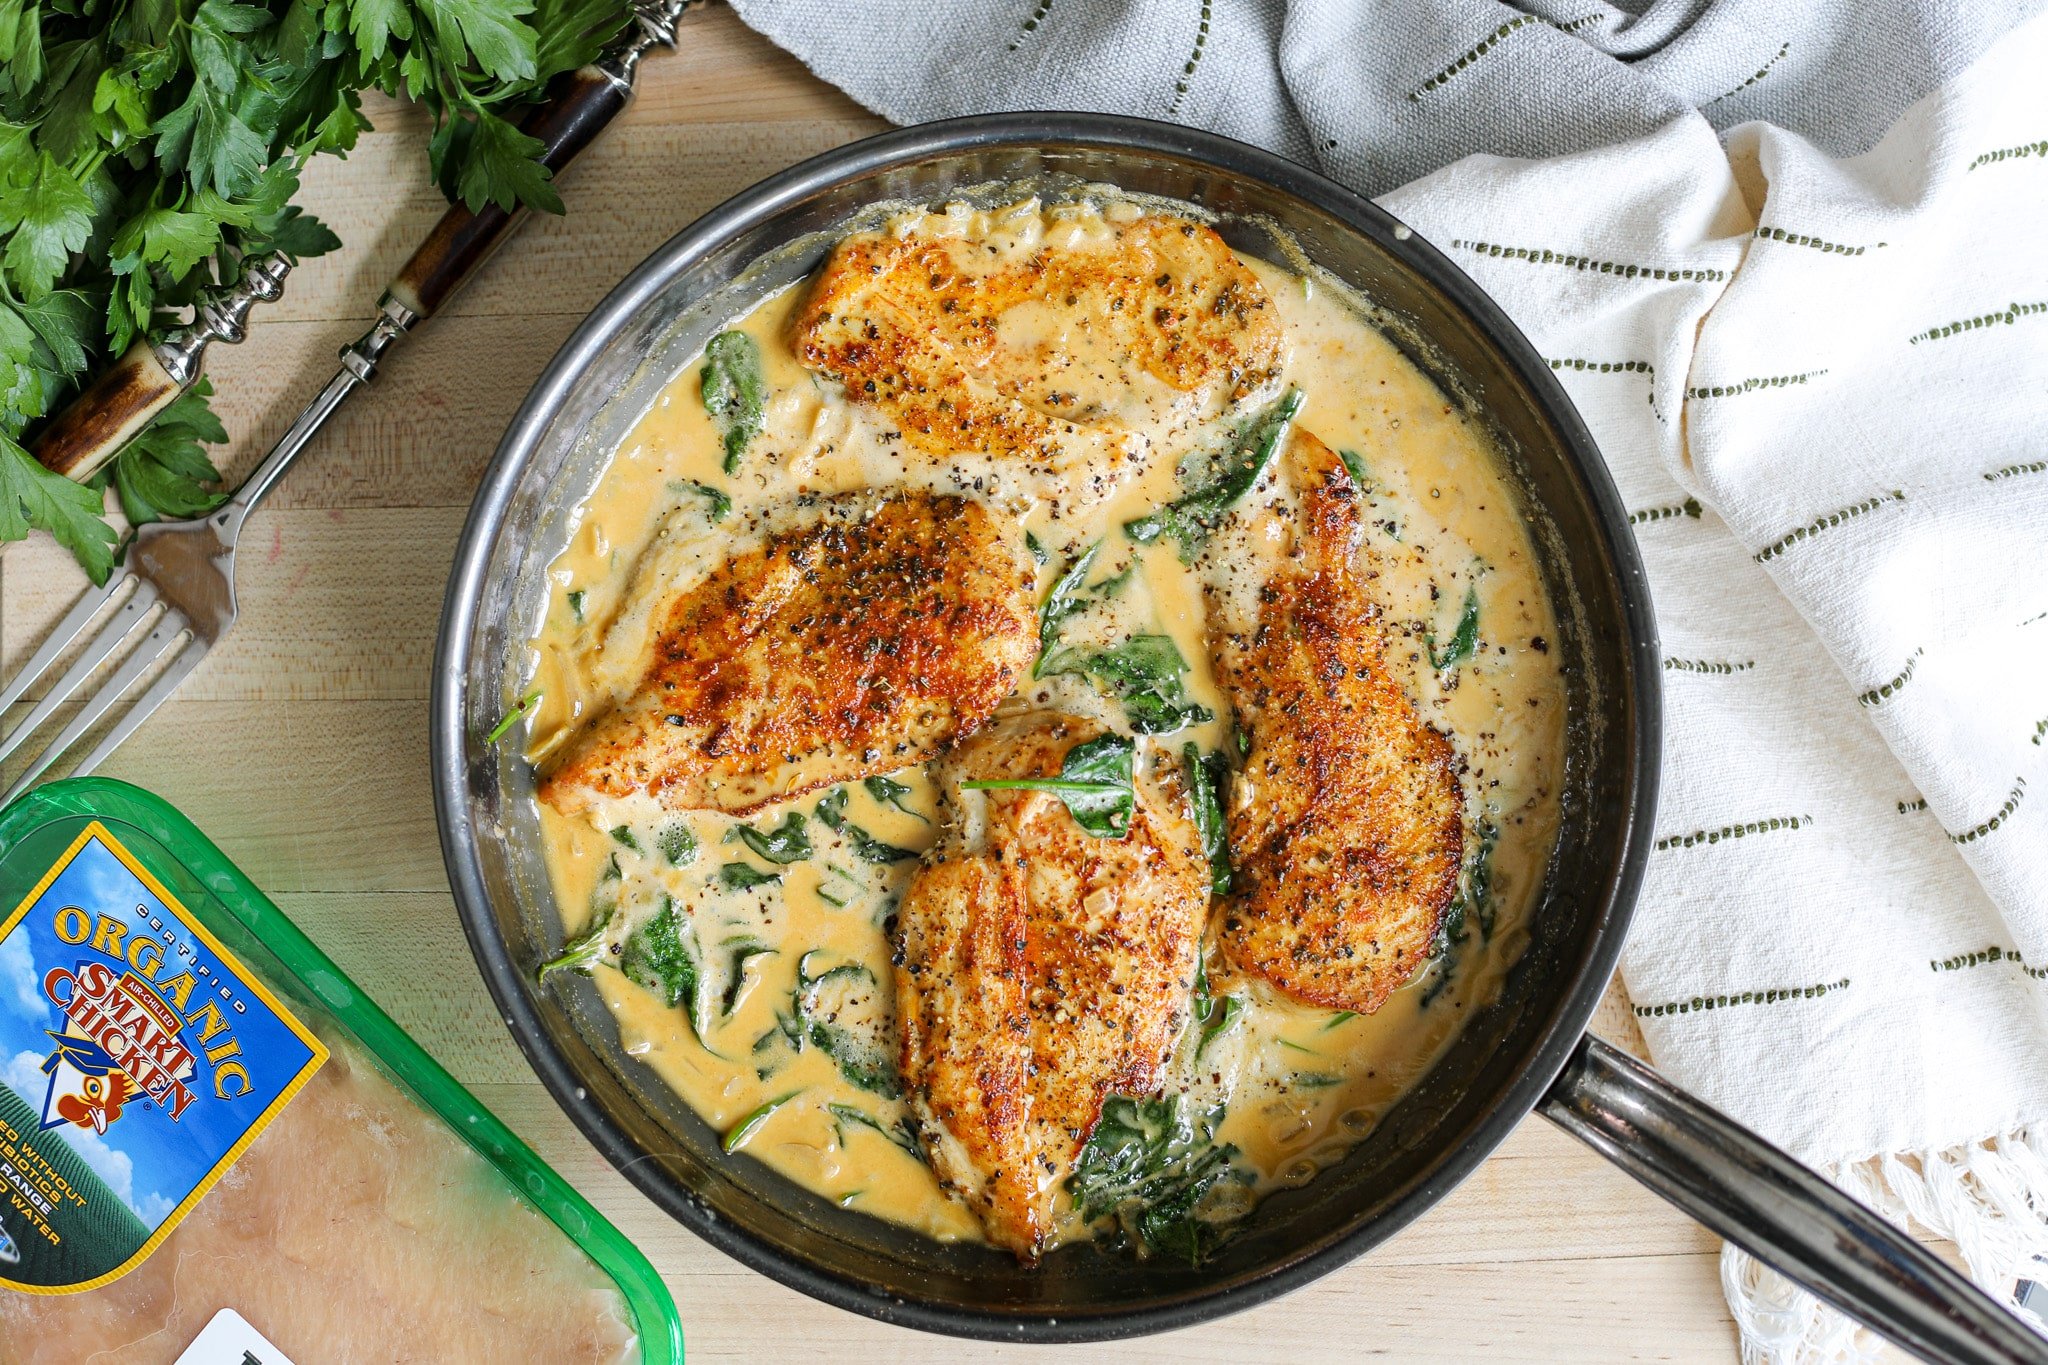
164, 633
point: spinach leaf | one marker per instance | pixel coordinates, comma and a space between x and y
1191, 518
1214, 1017
901, 1136
743, 876
1061, 601
831, 898
1037, 548
575, 600
740, 951
841, 1014
1156, 1169
743, 1131
1464, 639
1472, 905
866, 847
677, 843
720, 503
623, 834
1354, 465
787, 1035
1147, 674
783, 843
734, 393
888, 792
661, 955
1205, 778
1094, 784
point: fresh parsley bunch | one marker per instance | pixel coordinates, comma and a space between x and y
147, 146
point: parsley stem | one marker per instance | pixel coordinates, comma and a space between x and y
514, 716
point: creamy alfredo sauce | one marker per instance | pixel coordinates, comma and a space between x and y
1301, 1085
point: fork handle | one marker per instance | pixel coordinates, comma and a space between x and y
107, 414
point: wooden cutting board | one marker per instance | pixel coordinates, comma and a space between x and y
300, 746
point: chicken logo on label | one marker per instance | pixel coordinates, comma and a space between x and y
87, 1086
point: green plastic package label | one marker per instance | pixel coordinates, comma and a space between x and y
156, 1058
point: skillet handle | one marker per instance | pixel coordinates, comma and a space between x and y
1787, 1216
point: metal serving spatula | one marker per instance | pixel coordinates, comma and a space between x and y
175, 587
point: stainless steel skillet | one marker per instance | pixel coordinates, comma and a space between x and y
1527, 1051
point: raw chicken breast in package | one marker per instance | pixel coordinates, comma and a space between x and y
215, 1148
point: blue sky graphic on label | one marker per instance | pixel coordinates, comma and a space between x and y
141, 1058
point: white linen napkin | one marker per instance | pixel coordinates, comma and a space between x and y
1818, 370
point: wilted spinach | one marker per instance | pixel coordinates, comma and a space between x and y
783, 843
831, 1009
734, 393
866, 847
1464, 638
1145, 672
901, 1136
677, 843
744, 876
889, 792
719, 502
1205, 777
1148, 675
1154, 1167
1473, 905
1191, 518
661, 955
1094, 784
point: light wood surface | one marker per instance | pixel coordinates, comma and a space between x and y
300, 747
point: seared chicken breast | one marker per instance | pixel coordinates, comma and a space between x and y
1346, 832
1041, 970
859, 639
1063, 350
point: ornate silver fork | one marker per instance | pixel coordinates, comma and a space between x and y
176, 584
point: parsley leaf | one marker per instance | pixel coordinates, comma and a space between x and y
47, 220
164, 473
498, 167
149, 147
31, 495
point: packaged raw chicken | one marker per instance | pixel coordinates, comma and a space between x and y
214, 1148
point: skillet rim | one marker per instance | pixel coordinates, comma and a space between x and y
1568, 1013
